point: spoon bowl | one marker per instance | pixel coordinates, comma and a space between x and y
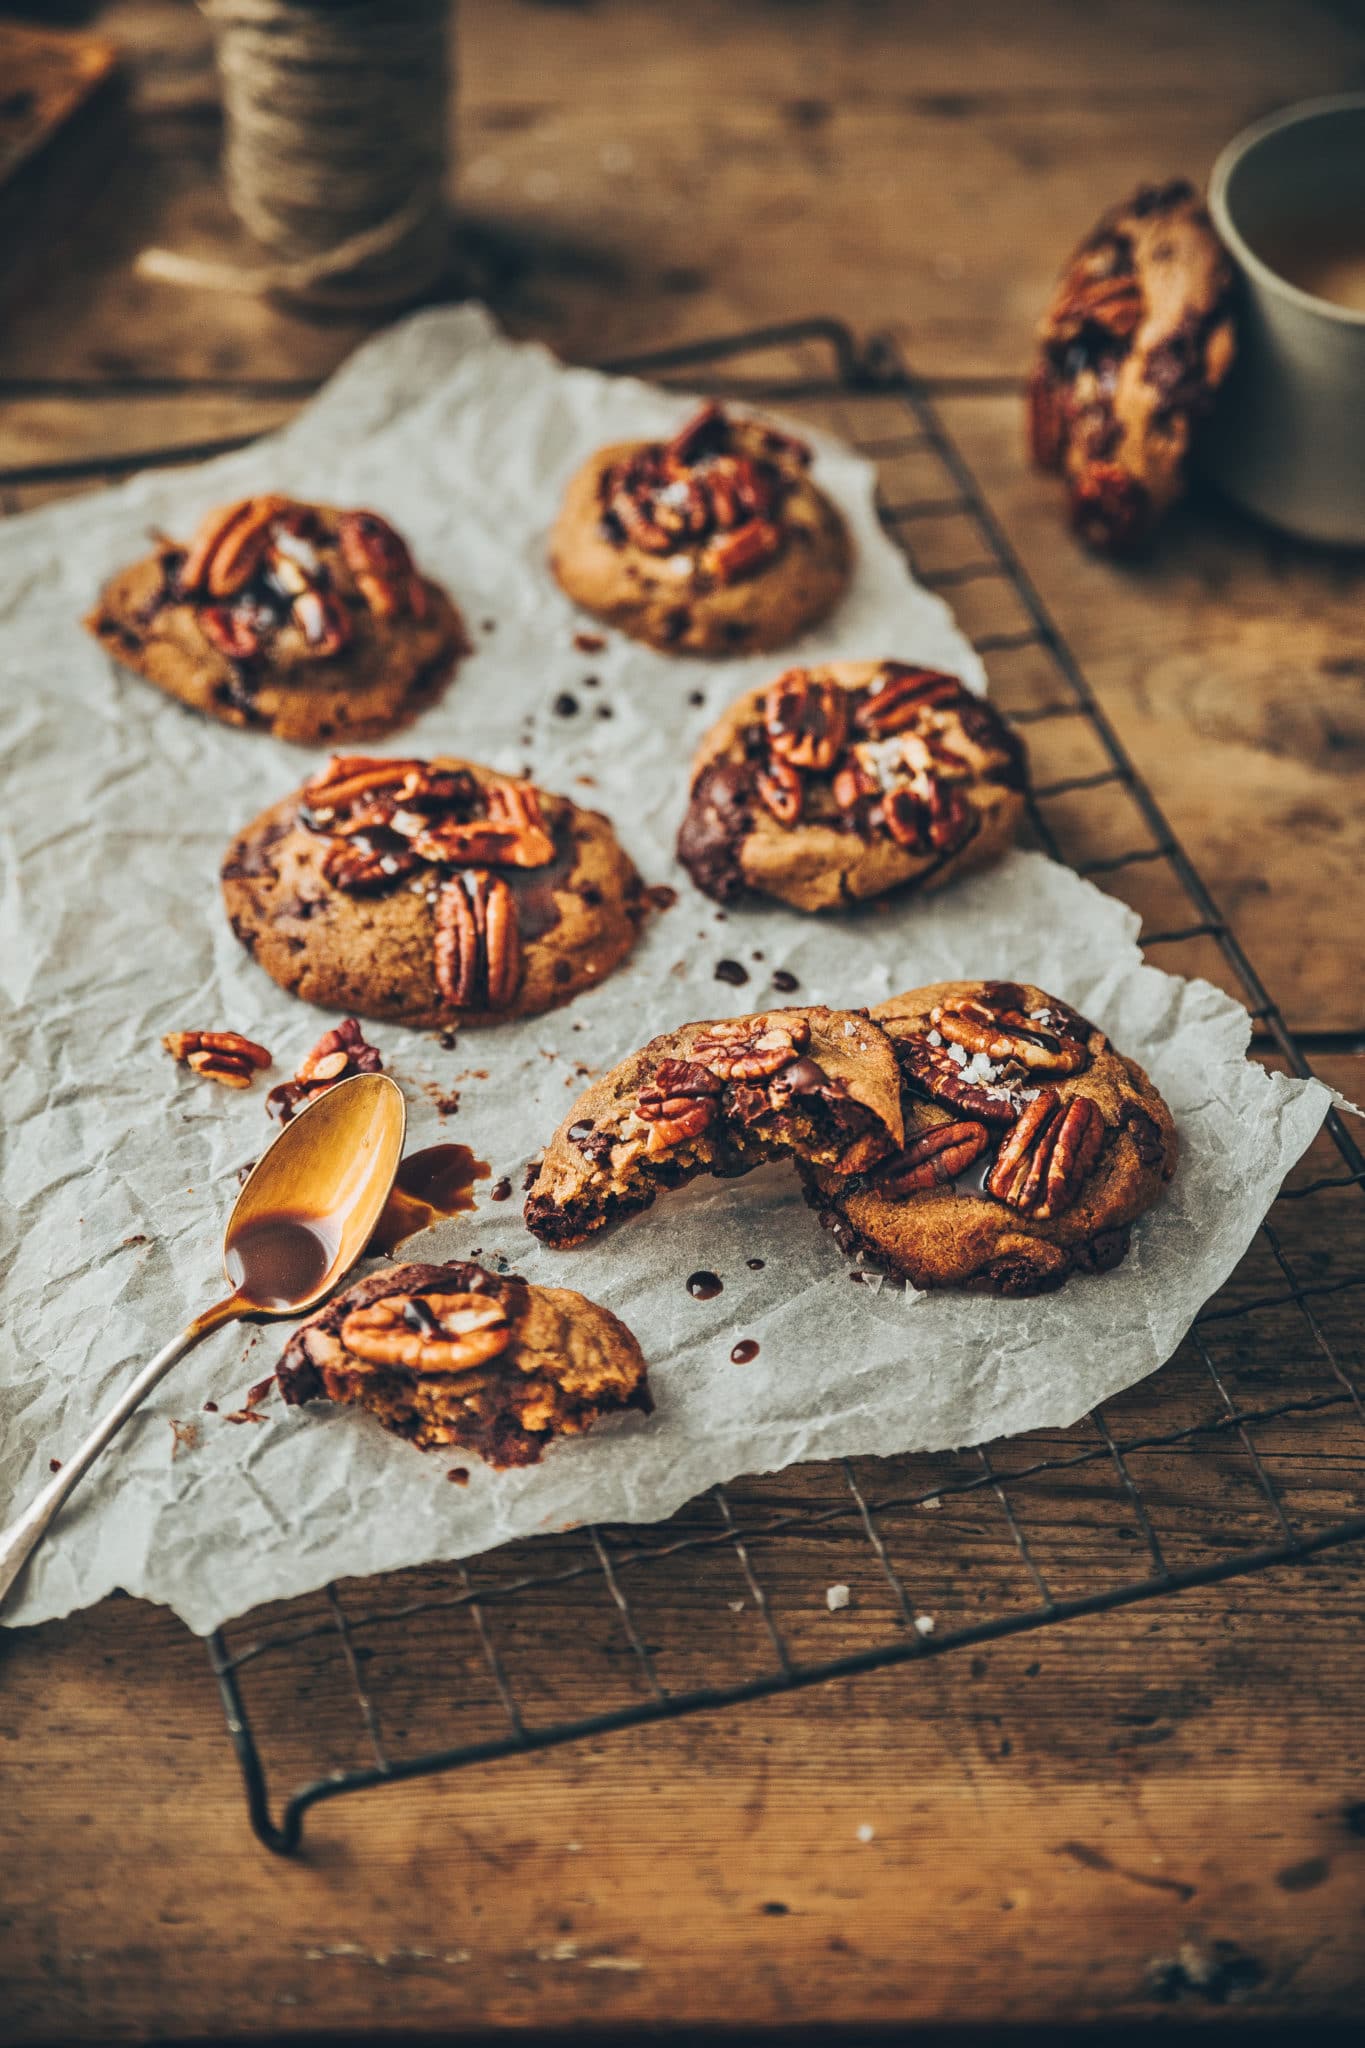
312, 1202
307, 1211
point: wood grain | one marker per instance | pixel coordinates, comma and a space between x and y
1157, 1813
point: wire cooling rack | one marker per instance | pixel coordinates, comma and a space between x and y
1242, 1453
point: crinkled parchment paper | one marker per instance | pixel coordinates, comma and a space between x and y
119, 1169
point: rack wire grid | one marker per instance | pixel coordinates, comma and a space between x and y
1232, 1459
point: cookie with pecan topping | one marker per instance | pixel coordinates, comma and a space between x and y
720, 1098
1031, 1145
456, 1356
715, 542
431, 892
1136, 341
839, 783
301, 620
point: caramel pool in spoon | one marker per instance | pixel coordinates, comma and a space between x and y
303, 1218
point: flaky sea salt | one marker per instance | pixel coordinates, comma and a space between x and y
837, 1597
866, 1831
925, 1624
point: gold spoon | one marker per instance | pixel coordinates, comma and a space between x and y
303, 1218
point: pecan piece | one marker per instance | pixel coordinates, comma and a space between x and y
514, 832
323, 621
381, 565
360, 868
782, 791
1046, 1157
349, 777
706, 433
219, 1055
478, 942
678, 1114
806, 720
338, 1054
896, 696
1046, 1042
738, 553
751, 1048
926, 814
933, 1069
1111, 303
233, 632
936, 1157
428, 1333
228, 545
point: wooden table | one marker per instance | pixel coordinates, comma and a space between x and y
1160, 1811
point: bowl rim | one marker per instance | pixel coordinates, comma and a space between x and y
1230, 156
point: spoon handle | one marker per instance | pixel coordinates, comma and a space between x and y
26, 1532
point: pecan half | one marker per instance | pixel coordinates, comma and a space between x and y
781, 790
228, 545
933, 1069
219, 1055
1111, 303
1043, 1162
338, 1054
895, 697
706, 433
1048, 1042
349, 777
674, 1118
323, 621
926, 814
936, 1157
478, 942
731, 556
806, 720
428, 1333
513, 834
751, 1048
381, 565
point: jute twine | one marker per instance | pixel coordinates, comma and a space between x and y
335, 149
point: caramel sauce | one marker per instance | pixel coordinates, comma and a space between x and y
431, 1185
276, 1261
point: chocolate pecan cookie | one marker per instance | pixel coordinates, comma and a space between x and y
431, 892
307, 622
716, 542
454, 1355
1030, 1145
841, 782
719, 1098
1137, 340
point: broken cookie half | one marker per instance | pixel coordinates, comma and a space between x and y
720, 1097
454, 1355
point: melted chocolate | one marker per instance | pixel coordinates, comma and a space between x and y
732, 971
275, 1261
431, 1185
745, 1351
784, 981
704, 1286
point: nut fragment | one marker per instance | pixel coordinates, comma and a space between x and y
477, 952
678, 1103
219, 1055
232, 631
428, 1333
322, 618
781, 790
513, 834
338, 1054
751, 1048
806, 720
1046, 1157
935, 1158
933, 1069
360, 867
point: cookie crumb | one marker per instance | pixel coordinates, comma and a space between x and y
866, 1831
924, 1624
837, 1597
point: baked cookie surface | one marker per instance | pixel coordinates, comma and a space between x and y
1136, 341
301, 620
1031, 1145
431, 892
719, 1098
839, 783
716, 542
455, 1355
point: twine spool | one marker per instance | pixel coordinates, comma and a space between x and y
335, 148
